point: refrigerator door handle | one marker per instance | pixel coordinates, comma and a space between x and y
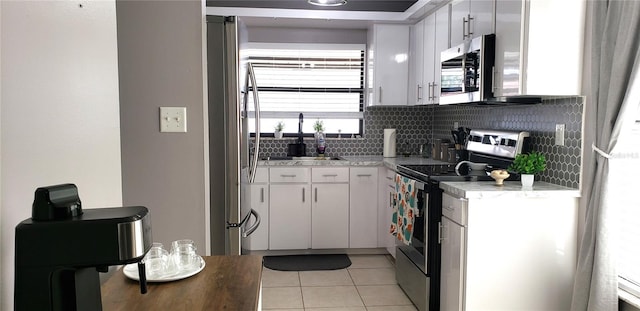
256, 103
255, 225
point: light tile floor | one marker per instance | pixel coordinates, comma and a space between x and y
369, 284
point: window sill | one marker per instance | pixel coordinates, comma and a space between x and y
626, 293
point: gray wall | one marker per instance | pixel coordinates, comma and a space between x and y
306, 35
160, 61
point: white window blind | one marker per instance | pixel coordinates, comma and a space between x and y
323, 84
622, 193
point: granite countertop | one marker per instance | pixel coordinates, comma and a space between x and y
510, 189
365, 160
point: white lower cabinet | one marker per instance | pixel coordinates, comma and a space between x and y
330, 207
330, 216
508, 253
452, 275
363, 207
289, 208
259, 200
386, 188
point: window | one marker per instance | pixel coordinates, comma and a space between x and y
624, 171
323, 82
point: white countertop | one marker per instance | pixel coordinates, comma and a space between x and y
510, 189
366, 160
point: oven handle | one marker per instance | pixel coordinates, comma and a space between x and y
419, 184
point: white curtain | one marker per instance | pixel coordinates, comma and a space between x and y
613, 74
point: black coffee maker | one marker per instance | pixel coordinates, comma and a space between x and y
61, 249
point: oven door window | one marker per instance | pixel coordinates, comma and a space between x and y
421, 217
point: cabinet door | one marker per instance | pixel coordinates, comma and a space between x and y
429, 56
470, 19
391, 56
289, 216
508, 56
386, 185
459, 19
259, 198
441, 44
363, 207
417, 61
482, 14
330, 216
452, 269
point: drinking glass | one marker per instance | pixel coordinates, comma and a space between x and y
157, 261
184, 254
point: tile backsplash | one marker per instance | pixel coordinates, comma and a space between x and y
417, 125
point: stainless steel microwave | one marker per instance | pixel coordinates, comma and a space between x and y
466, 71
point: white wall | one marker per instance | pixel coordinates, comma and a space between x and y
59, 110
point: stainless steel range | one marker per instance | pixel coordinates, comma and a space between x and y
418, 264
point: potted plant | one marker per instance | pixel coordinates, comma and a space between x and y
527, 165
318, 126
278, 130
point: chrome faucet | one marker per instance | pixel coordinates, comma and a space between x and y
300, 134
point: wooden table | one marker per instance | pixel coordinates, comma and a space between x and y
226, 283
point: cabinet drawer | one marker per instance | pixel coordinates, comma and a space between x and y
262, 175
454, 208
330, 174
289, 174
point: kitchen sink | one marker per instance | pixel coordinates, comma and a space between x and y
302, 159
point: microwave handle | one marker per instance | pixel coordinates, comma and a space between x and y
433, 92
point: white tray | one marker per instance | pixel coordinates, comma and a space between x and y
131, 271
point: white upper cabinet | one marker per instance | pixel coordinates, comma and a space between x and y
470, 19
416, 61
436, 41
429, 37
388, 65
539, 47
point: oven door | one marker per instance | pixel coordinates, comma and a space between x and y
417, 252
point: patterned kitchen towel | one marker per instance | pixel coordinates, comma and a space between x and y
404, 209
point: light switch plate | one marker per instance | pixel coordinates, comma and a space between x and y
173, 119
559, 134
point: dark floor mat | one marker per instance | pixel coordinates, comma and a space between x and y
307, 262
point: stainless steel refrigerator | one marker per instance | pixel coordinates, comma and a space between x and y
231, 168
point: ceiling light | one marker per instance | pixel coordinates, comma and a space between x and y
328, 2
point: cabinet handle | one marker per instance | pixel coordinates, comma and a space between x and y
493, 79
389, 178
330, 175
261, 195
419, 88
364, 175
286, 175
464, 27
469, 32
316, 194
390, 199
380, 94
303, 199
440, 238
434, 85
448, 207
